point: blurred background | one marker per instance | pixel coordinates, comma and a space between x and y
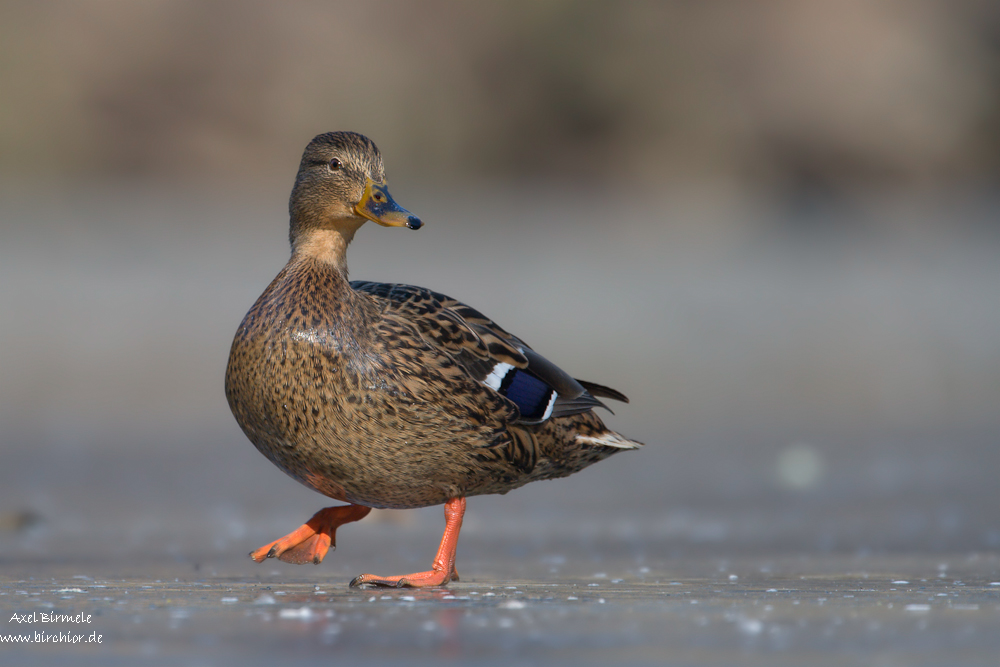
774, 226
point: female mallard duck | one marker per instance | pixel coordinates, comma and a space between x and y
391, 395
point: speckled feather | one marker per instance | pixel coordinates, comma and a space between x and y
374, 394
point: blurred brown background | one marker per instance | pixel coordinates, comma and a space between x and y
771, 97
773, 225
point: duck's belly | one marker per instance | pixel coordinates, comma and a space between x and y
377, 471
356, 436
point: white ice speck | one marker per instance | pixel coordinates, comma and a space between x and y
513, 604
265, 599
750, 626
229, 600
733, 577
304, 613
901, 582
69, 590
800, 466
918, 607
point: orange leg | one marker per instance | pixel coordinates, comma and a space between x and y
443, 569
310, 541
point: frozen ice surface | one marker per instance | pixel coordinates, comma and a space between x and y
816, 610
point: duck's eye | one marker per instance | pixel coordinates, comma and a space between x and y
336, 164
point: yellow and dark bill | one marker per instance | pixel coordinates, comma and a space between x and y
378, 206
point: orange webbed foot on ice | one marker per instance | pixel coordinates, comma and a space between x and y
443, 569
310, 542
417, 580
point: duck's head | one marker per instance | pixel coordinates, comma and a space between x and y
341, 185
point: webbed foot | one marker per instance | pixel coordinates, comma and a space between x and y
310, 542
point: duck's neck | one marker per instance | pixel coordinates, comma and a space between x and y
327, 246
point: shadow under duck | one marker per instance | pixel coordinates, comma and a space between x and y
392, 396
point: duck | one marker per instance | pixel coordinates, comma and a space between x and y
389, 395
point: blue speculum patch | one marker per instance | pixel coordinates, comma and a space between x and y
529, 393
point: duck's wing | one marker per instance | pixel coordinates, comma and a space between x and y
489, 354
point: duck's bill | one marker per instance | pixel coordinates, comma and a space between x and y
378, 206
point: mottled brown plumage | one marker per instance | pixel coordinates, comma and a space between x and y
392, 395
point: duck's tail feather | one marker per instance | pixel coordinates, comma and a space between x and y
595, 389
608, 439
